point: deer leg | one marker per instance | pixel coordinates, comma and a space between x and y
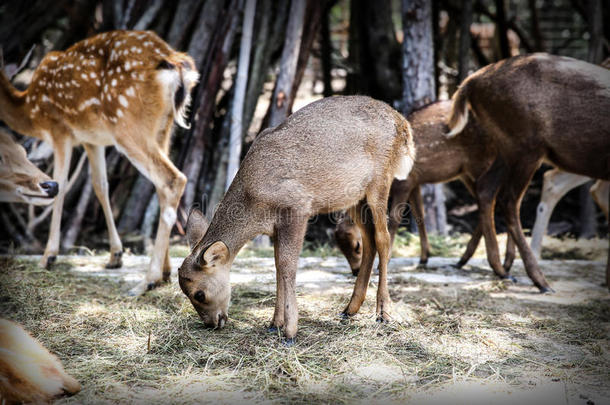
556, 184
290, 234
487, 186
382, 243
97, 162
169, 182
417, 202
278, 314
361, 215
62, 153
516, 186
167, 267
471, 247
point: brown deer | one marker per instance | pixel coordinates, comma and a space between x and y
538, 107
556, 184
438, 160
28, 372
20, 180
118, 88
334, 154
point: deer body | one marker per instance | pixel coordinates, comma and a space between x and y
438, 160
20, 180
539, 107
118, 88
28, 372
337, 153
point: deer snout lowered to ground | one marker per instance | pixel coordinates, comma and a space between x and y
20, 180
538, 107
438, 159
121, 88
28, 372
337, 153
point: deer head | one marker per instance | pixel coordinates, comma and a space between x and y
20, 180
348, 237
204, 274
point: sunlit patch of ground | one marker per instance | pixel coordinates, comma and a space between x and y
458, 336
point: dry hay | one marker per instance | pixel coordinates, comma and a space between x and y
446, 338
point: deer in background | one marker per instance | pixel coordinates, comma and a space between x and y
557, 184
20, 180
118, 88
28, 372
334, 154
538, 107
438, 160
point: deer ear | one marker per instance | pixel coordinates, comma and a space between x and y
196, 227
217, 253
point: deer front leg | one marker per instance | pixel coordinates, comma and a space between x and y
361, 217
62, 153
289, 241
417, 202
277, 322
382, 242
99, 180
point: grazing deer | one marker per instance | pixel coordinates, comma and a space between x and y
20, 180
118, 88
336, 153
557, 184
28, 372
438, 160
538, 107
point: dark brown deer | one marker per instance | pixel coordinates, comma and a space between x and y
438, 160
538, 107
337, 153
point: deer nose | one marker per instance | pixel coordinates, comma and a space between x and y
50, 187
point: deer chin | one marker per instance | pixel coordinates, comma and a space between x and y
35, 199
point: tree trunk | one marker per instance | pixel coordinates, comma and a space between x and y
535, 26
327, 51
237, 127
419, 88
502, 29
288, 64
463, 56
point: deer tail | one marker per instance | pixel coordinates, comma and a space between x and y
407, 155
182, 76
459, 111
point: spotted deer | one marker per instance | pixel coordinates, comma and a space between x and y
29, 373
120, 88
334, 154
538, 107
438, 160
556, 184
20, 180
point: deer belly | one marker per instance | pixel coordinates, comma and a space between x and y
100, 137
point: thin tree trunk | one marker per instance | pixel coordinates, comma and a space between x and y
327, 50
535, 24
463, 56
78, 214
237, 127
502, 29
288, 64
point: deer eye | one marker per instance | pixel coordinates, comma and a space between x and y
199, 296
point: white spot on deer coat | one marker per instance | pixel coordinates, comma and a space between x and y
130, 92
123, 101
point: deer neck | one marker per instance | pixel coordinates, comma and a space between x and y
13, 109
236, 221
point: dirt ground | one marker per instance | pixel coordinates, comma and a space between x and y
459, 336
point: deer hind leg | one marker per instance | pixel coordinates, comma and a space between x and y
475, 238
289, 234
62, 153
556, 184
361, 215
516, 185
169, 183
487, 187
97, 161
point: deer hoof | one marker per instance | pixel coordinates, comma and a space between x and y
510, 278
288, 342
546, 290
458, 265
355, 272
382, 318
273, 329
141, 288
47, 262
116, 260
345, 316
